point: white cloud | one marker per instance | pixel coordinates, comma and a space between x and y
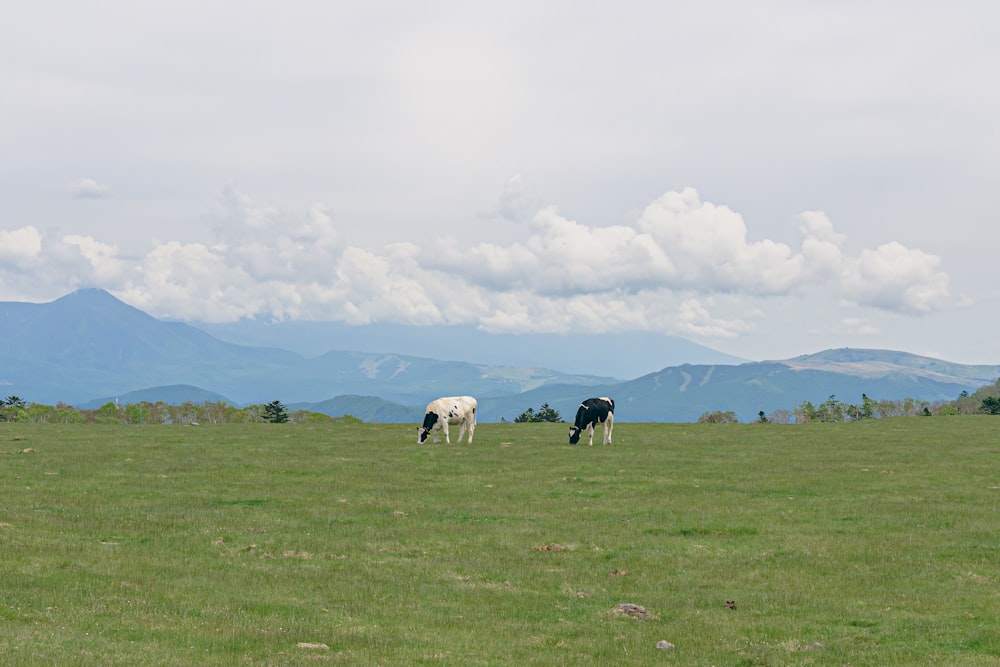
709, 245
683, 247
105, 268
896, 278
88, 188
374, 288
524, 311
685, 267
20, 246
559, 257
694, 319
821, 247
193, 281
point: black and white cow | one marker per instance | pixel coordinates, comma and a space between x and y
592, 412
449, 410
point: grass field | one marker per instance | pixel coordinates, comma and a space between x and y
872, 543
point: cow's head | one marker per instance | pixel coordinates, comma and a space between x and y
574, 435
430, 419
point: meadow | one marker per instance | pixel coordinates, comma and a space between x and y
868, 543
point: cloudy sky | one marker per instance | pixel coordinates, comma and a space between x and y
768, 178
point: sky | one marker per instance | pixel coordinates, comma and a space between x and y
768, 179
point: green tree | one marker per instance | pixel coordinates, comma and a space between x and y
12, 409
805, 412
832, 410
991, 405
868, 407
137, 413
275, 412
109, 413
544, 414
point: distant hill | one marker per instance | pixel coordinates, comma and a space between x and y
683, 393
620, 355
88, 347
89, 344
889, 363
366, 408
171, 395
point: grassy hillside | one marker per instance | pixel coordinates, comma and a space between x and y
868, 543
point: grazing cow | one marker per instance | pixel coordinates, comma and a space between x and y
592, 412
449, 410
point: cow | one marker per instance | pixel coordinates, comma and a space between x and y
449, 410
592, 412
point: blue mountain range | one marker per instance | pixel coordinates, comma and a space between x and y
88, 347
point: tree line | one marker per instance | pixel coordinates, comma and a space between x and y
15, 409
985, 400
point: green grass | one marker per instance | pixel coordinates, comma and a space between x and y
870, 543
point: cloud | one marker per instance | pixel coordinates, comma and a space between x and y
34, 265
88, 188
682, 245
694, 319
685, 267
709, 245
559, 257
518, 202
821, 247
101, 259
20, 246
895, 278
194, 281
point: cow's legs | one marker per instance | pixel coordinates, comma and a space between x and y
590, 430
609, 426
444, 427
461, 432
472, 430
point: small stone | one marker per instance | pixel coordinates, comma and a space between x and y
664, 645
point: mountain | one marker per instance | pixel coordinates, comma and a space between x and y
171, 395
366, 408
683, 393
619, 355
88, 346
886, 363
